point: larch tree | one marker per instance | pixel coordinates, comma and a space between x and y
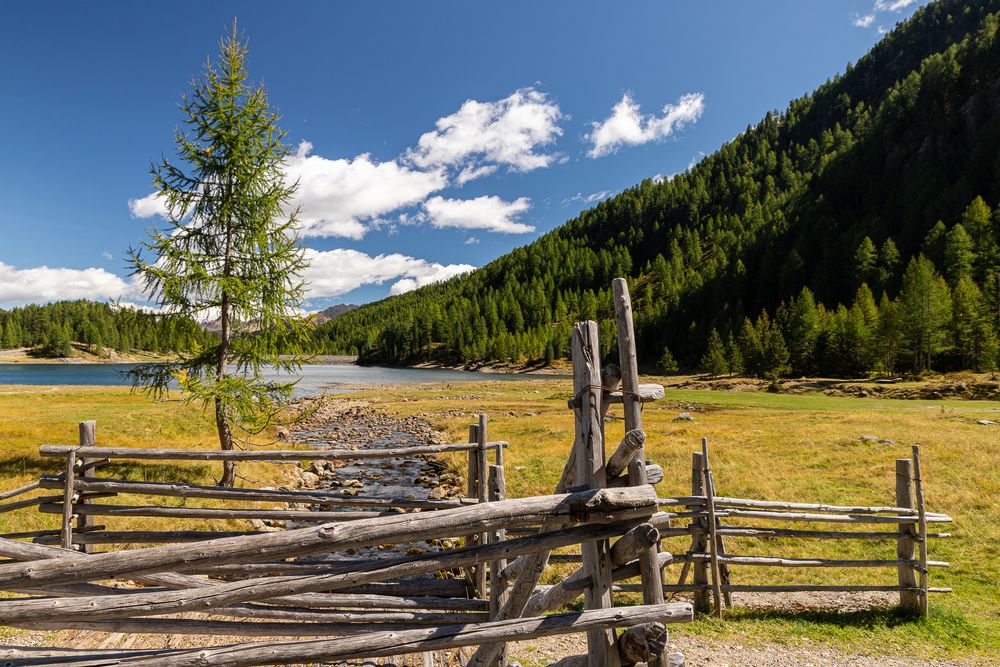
925, 307
231, 248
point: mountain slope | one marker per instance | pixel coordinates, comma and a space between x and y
872, 159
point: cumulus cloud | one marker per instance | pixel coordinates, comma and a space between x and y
487, 212
481, 135
338, 196
336, 272
44, 283
472, 240
148, 206
628, 126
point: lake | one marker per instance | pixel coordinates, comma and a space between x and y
314, 378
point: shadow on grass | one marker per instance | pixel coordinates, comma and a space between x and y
876, 617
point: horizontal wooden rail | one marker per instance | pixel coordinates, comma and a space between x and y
139, 453
602, 504
27, 488
767, 561
219, 595
254, 495
92, 509
372, 644
788, 588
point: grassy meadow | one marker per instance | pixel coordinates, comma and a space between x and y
804, 448
768, 446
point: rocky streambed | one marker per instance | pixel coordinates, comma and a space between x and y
338, 423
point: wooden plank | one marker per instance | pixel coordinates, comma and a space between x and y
906, 541
590, 473
918, 486
498, 594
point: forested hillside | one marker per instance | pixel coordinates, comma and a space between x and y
853, 232
51, 329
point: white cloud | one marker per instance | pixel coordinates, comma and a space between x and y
43, 283
589, 199
338, 196
863, 21
148, 206
336, 272
472, 240
892, 5
627, 126
486, 212
481, 135
107, 255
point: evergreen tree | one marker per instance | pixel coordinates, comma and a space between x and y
230, 247
977, 219
801, 332
865, 258
888, 333
714, 360
667, 365
888, 264
958, 255
734, 357
924, 309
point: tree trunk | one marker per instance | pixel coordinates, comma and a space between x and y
221, 421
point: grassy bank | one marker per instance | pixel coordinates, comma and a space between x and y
791, 447
35, 415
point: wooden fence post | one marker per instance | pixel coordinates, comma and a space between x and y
498, 593
477, 573
590, 473
918, 487
906, 544
713, 542
88, 438
699, 542
67, 508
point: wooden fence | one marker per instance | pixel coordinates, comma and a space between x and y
308, 581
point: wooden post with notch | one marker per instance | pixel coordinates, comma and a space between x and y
906, 544
590, 473
652, 582
88, 438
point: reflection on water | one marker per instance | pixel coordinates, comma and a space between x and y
313, 379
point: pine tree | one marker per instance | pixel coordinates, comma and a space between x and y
967, 322
925, 308
734, 356
888, 264
667, 365
888, 333
230, 247
714, 360
801, 332
977, 219
958, 254
864, 261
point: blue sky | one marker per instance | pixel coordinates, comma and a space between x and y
429, 137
